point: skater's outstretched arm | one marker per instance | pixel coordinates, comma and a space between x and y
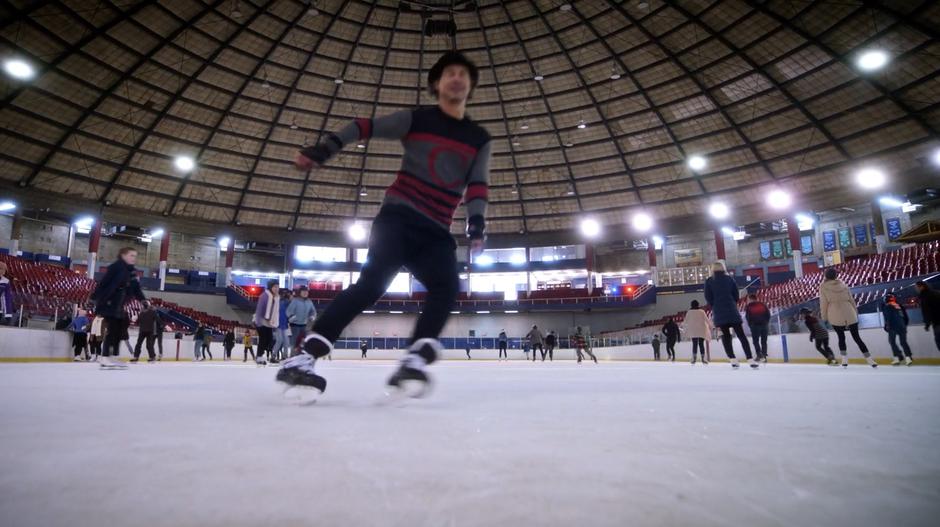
392, 126
477, 197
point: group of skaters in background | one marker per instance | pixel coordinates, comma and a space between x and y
836, 307
544, 346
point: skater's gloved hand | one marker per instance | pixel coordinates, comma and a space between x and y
304, 163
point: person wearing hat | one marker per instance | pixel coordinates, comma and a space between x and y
896, 322
446, 162
722, 295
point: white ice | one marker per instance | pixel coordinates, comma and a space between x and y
618, 444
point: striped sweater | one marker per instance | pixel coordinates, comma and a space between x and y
446, 160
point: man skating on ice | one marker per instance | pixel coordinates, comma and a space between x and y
446, 158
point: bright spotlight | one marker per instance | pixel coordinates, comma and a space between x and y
872, 60
590, 227
184, 163
6, 206
727, 231
642, 222
719, 211
888, 201
697, 162
779, 199
223, 242
357, 232
870, 178
19, 69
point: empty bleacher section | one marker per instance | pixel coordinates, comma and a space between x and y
45, 290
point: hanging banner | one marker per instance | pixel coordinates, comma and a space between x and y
765, 250
776, 249
829, 241
861, 235
845, 238
806, 244
894, 228
788, 247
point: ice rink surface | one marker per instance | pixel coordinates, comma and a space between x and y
626, 443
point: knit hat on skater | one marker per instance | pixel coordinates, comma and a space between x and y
448, 59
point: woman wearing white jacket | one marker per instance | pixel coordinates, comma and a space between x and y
837, 307
698, 328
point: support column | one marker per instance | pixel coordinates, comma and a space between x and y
71, 243
651, 256
881, 238
94, 240
720, 246
589, 257
16, 233
793, 230
528, 273
229, 260
164, 256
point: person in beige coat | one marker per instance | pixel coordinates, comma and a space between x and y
837, 307
698, 328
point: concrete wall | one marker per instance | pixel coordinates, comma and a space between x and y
36, 344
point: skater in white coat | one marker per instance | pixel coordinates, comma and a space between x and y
698, 328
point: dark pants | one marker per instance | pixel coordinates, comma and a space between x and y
822, 346
502, 350
95, 343
247, 350
80, 343
364, 351
726, 339
549, 349
298, 332
206, 347
579, 349
936, 335
265, 340
853, 329
400, 237
656, 352
759, 338
899, 335
541, 350
698, 345
112, 341
671, 348
228, 351
149, 338
160, 344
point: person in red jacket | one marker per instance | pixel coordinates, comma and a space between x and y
757, 315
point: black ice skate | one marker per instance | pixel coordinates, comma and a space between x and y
299, 380
410, 379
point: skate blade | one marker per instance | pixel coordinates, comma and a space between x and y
302, 395
409, 389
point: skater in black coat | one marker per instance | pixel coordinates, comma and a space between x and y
930, 308
118, 285
671, 331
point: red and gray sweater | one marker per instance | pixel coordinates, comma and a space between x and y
446, 160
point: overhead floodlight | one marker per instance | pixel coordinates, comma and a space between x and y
6, 206
19, 69
642, 222
872, 60
184, 163
719, 210
223, 242
870, 178
357, 232
697, 163
779, 199
888, 201
590, 227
